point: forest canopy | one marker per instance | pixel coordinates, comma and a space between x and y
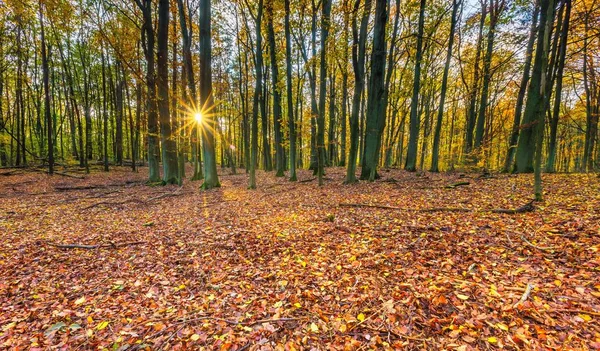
283, 85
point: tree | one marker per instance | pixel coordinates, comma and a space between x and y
533, 116
290, 100
279, 154
211, 178
411, 157
438, 126
258, 65
46, 72
375, 101
496, 9
560, 67
325, 18
169, 145
359, 39
514, 135
152, 138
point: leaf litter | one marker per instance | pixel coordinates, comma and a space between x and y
288, 267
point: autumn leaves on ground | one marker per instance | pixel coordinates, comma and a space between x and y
292, 266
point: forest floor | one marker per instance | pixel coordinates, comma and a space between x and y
292, 266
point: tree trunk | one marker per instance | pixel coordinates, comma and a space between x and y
438, 126
169, 145
496, 9
375, 122
535, 106
514, 136
411, 157
326, 11
358, 63
211, 179
550, 167
279, 154
45, 78
257, 92
290, 100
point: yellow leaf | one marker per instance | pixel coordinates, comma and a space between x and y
297, 305
80, 300
195, 337
360, 317
343, 328
462, 297
492, 340
302, 263
102, 325
585, 317
314, 328
278, 304
90, 320
502, 326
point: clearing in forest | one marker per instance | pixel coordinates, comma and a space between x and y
411, 262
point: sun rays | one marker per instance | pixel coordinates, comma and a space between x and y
202, 117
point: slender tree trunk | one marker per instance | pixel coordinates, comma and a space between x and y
411, 157
550, 166
358, 62
471, 111
211, 179
152, 132
104, 112
46, 73
256, 100
290, 100
438, 126
514, 135
169, 145
535, 105
326, 11
375, 122
279, 153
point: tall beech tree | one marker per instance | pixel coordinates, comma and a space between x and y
359, 41
438, 126
376, 98
411, 157
211, 178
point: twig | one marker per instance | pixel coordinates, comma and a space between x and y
370, 206
525, 295
91, 247
228, 321
456, 185
523, 209
306, 180
593, 313
535, 246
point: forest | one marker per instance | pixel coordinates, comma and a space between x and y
300, 174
